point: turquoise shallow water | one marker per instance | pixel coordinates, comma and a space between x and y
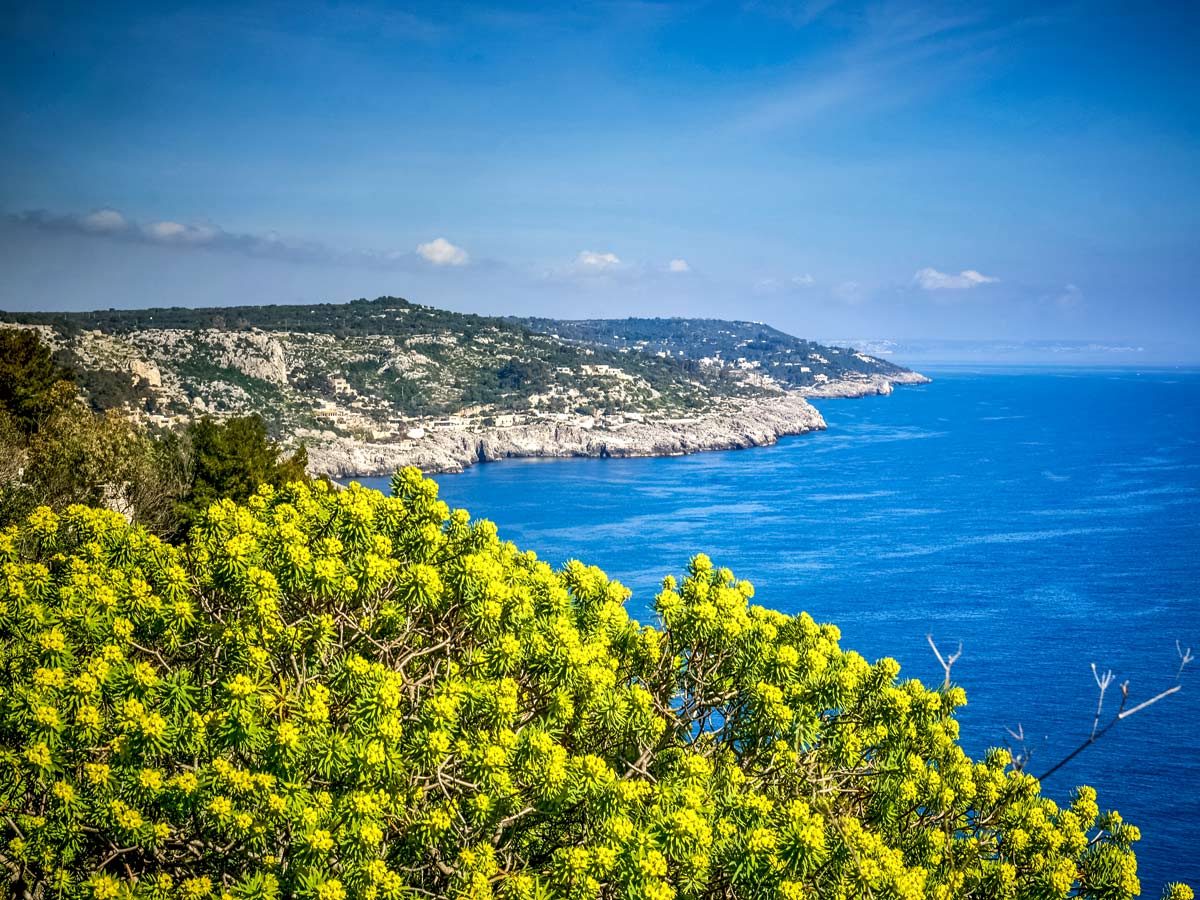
1045, 519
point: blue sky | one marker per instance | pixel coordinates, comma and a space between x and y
891, 170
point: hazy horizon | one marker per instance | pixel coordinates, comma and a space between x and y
929, 174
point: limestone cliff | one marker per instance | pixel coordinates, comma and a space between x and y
752, 423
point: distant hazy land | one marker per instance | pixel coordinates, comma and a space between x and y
1029, 353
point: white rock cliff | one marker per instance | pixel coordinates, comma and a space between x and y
752, 423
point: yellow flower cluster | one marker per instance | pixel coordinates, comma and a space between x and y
338, 695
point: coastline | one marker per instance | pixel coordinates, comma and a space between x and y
731, 426
866, 386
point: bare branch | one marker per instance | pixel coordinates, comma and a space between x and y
1185, 657
1129, 712
946, 663
1103, 684
1019, 759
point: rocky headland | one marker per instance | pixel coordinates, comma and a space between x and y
750, 423
862, 386
372, 385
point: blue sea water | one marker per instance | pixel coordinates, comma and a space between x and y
1045, 519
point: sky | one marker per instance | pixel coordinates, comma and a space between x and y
902, 171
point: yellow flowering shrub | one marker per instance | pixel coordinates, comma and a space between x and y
335, 695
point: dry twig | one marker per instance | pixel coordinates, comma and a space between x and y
1102, 682
946, 663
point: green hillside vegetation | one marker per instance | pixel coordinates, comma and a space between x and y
56, 451
335, 695
792, 360
28, 374
416, 360
368, 369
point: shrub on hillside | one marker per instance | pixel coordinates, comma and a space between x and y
56, 451
336, 695
79, 456
230, 460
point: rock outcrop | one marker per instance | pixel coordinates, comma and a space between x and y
257, 355
750, 423
862, 385
144, 371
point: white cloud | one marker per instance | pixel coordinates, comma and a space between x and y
778, 285
178, 233
104, 221
441, 252
931, 279
679, 266
590, 261
165, 231
108, 224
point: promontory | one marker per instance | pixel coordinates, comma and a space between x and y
374, 384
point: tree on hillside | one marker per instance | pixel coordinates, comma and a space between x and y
28, 374
57, 451
338, 695
78, 456
231, 459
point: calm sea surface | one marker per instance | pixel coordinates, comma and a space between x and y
1047, 520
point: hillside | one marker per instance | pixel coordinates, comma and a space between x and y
792, 361
370, 384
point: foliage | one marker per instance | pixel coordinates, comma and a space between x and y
336, 695
77, 456
105, 388
110, 389
792, 360
405, 360
28, 374
231, 459
57, 452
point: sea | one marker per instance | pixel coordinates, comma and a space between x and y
1045, 520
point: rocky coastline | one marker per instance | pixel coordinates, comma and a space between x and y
731, 426
372, 386
749, 423
863, 386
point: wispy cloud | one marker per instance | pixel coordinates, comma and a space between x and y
895, 53
772, 285
440, 252
112, 225
931, 279
178, 233
795, 12
604, 268
591, 262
